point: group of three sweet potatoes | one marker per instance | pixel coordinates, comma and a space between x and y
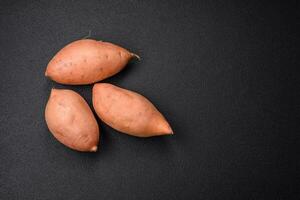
67, 114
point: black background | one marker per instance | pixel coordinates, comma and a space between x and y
220, 71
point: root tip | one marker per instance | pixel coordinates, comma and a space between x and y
136, 56
94, 149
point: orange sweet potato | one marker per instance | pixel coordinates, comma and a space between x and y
128, 112
87, 61
71, 121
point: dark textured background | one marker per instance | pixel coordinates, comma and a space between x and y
221, 72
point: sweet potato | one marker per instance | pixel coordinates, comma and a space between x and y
71, 121
87, 61
128, 112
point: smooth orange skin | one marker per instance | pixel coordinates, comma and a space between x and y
71, 121
87, 61
128, 112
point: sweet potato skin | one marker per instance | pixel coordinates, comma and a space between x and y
71, 121
87, 61
128, 111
